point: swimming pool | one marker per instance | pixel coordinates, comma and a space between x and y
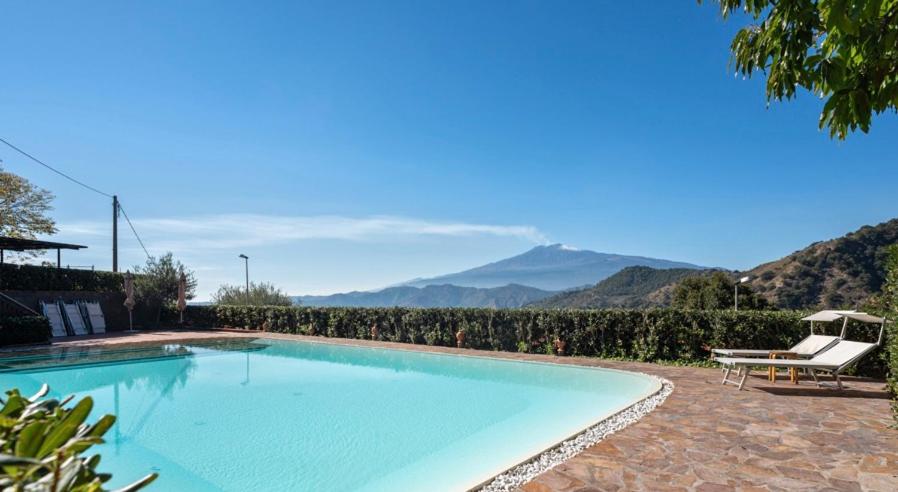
267, 414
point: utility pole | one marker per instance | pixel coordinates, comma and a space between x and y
114, 233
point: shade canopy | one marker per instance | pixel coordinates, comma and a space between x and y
19, 244
830, 315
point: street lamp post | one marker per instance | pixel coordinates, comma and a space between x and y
736, 291
246, 268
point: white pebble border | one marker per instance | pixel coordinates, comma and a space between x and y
523, 473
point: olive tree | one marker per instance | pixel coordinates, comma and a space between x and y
262, 294
156, 282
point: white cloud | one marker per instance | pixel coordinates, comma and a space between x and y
230, 231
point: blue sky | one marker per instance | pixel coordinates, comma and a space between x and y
352, 145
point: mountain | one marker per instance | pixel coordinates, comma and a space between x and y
841, 272
555, 267
632, 287
507, 296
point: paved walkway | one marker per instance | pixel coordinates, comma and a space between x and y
707, 437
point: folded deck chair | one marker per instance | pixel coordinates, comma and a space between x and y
805, 349
51, 312
73, 316
93, 313
841, 356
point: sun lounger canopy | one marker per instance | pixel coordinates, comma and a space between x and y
827, 316
832, 315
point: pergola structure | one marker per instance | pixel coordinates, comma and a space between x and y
17, 244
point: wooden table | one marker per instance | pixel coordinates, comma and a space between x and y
793, 371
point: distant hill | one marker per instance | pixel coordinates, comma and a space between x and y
556, 267
508, 296
841, 272
632, 287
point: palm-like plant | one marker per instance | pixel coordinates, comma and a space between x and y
41, 442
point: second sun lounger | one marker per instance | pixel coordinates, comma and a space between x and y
835, 360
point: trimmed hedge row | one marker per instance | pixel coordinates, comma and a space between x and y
31, 277
892, 358
17, 330
644, 335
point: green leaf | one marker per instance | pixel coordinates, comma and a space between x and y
9, 460
64, 430
30, 439
143, 482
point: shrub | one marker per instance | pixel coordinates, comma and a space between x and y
16, 330
30, 277
41, 442
645, 335
261, 294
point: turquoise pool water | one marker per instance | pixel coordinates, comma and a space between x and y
287, 415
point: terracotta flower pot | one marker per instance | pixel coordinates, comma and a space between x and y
559, 346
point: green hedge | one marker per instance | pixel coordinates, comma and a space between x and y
30, 277
892, 355
17, 330
645, 335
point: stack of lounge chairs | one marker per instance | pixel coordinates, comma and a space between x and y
74, 318
816, 353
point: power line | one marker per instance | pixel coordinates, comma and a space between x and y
80, 183
134, 230
57, 171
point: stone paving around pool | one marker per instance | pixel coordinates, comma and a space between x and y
706, 436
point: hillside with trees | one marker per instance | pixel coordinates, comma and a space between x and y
841, 272
632, 287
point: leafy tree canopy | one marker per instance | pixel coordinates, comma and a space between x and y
841, 50
262, 294
714, 291
24, 208
156, 282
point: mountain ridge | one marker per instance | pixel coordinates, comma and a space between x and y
508, 296
553, 267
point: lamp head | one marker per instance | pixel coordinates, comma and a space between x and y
744, 279
244, 257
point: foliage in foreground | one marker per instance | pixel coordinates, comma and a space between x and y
844, 51
890, 298
41, 442
261, 294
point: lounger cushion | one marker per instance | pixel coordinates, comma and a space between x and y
813, 344
805, 348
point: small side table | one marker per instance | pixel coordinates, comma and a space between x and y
793, 371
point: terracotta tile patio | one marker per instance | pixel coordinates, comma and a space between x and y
705, 437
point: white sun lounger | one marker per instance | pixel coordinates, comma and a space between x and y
805, 349
835, 360
812, 344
